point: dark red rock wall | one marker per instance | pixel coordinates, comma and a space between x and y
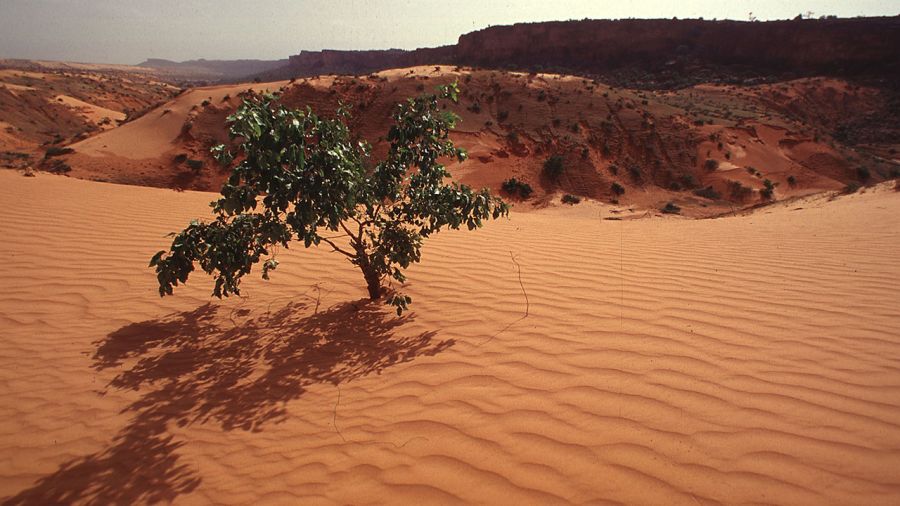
673, 52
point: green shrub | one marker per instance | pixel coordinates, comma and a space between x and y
570, 199
671, 208
688, 180
296, 175
194, 165
635, 172
739, 191
57, 151
711, 164
553, 167
57, 166
708, 193
792, 181
768, 191
518, 188
617, 189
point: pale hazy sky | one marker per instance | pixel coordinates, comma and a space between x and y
129, 31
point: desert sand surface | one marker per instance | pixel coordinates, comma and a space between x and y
551, 358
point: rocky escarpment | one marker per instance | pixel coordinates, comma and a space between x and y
313, 63
679, 52
648, 53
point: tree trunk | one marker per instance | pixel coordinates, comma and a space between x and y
373, 282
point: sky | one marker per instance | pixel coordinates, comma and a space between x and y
130, 31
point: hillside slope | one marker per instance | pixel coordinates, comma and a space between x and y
708, 148
56, 104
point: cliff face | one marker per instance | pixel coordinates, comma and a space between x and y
329, 61
648, 53
833, 46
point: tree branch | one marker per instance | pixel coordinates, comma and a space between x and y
339, 250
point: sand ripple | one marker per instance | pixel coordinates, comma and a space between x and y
733, 361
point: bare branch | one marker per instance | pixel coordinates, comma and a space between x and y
339, 250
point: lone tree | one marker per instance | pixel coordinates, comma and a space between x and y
298, 175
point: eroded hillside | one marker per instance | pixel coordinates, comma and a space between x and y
45, 107
707, 149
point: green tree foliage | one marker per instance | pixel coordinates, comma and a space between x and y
300, 176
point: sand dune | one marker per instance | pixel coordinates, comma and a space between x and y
92, 112
551, 358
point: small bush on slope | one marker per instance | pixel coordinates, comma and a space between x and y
302, 177
513, 186
553, 167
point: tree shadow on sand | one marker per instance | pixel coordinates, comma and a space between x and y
203, 366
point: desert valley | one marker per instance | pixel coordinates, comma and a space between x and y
693, 299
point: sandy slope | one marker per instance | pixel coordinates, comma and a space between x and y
742, 360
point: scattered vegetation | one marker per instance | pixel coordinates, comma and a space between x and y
617, 189
298, 175
553, 167
635, 172
739, 191
708, 193
671, 208
571, 199
57, 151
768, 191
688, 180
194, 165
57, 166
852, 187
515, 187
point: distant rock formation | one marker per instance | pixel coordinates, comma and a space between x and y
657, 53
841, 47
212, 70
